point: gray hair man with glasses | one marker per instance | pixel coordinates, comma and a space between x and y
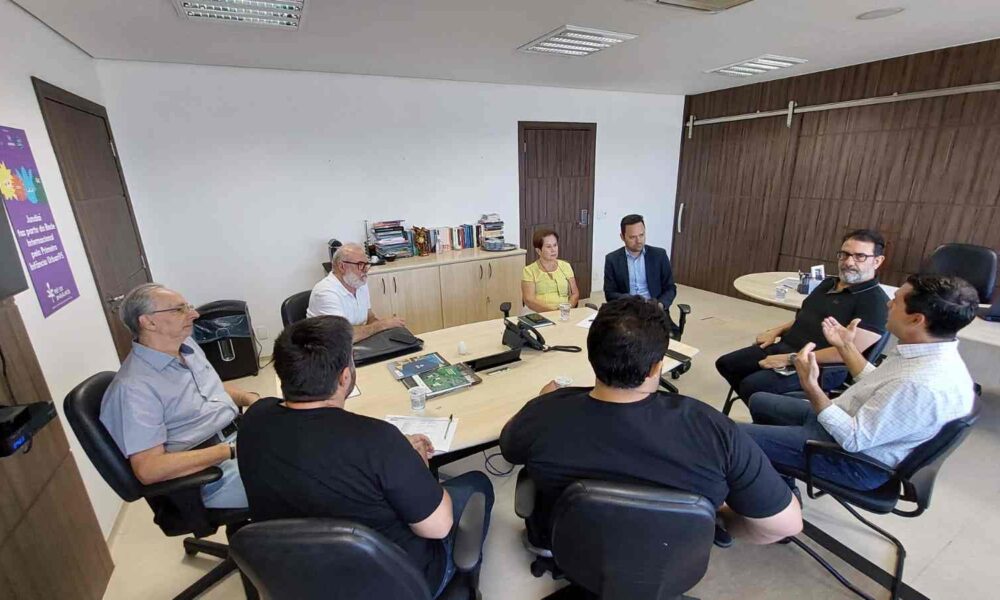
855, 293
344, 293
167, 409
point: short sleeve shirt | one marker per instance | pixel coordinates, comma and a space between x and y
553, 288
330, 297
865, 301
327, 462
156, 399
664, 439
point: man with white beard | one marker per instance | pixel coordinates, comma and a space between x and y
855, 294
344, 293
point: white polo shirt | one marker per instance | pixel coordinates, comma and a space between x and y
330, 297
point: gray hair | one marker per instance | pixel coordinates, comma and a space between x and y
138, 302
339, 255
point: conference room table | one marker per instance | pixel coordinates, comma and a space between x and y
979, 342
481, 411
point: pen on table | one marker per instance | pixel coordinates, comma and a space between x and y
450, 418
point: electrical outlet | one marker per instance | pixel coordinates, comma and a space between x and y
261, 332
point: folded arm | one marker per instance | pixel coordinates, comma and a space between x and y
156, 464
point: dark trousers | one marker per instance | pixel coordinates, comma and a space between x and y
742, 371
460, 489
782, 425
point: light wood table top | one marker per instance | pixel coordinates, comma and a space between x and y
437, 259
482, 410
761, 286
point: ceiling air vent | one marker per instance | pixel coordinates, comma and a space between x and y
283, 14
758, 66
570, 40
713, 6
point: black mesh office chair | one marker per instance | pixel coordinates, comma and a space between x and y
335, 559
975, 264
911, 481
294, 307
177, 505
621, 541
873, 355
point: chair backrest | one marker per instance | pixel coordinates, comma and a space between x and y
975, 264
294, 307
627, 541
83, 411
331, 559
876, 349
919, 470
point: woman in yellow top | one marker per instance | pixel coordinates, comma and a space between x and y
548, 282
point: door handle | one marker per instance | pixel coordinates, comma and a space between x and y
584, 217
393, 284
680, 218
480, 271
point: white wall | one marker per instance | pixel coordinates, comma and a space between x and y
239, 176
74, 342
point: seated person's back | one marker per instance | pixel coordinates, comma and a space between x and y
623, 429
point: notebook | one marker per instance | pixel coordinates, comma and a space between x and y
443, 379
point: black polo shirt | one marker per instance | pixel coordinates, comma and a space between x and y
865, 301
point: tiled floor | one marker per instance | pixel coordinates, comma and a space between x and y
952, 548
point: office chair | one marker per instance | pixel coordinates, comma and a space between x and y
873, 355
911, 481
336, 559
621, 541
176, 503
975, 264
293, 309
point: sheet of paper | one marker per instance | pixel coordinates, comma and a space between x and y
788, 282
435, 428
355, 392
587, 322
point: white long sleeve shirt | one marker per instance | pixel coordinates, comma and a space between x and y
892, 409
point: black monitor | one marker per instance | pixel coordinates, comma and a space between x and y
12, 279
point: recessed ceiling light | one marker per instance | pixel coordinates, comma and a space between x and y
285, 14
570, 40
757, 66
880, 13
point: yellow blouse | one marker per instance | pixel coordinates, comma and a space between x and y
551, 289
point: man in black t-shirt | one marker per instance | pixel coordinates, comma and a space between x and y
624, 430
855, 294
306, 456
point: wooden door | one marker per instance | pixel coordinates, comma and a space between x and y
557, 190
84, 147
380, 293
416, 297
463, 293
503, 284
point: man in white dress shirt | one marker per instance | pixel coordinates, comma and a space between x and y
344, 293
888, 411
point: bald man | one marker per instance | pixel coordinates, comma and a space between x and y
344, 293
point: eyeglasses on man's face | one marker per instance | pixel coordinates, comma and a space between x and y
182, 309
361, 265
857, 256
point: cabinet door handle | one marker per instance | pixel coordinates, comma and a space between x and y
491, 270
680, 217
480, 271
383, 287
394, 284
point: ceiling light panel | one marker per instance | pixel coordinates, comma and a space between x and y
570, 40
283, 14
758, 66
712, 6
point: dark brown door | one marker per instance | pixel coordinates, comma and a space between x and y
82, 140
557, 190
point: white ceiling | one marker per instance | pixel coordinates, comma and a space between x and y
475, 40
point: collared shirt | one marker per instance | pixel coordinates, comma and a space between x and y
891, 410
330, 297
866, 301
158, 399
637, 273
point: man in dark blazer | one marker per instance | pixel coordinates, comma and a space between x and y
637, 269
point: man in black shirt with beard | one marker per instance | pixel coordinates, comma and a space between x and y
624, 430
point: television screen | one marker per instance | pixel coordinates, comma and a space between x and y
11, 275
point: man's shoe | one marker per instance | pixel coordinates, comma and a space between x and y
722, 537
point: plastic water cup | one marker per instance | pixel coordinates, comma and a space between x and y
563, 381
780, 292
418, 399
564, 311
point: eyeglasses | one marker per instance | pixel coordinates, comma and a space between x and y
183, 309
857, 256
362, 266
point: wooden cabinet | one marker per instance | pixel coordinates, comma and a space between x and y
503, 284
414, 295
463, 292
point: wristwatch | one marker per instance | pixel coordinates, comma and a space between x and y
791, 359
232, 450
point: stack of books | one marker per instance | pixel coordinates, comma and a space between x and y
491, 232
391, 239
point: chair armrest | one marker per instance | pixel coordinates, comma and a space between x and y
684, 308
591, 305
180, 484
524, 495
470, 536
816, 447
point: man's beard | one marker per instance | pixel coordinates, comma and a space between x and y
354, 280
851, 276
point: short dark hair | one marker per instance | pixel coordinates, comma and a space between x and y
631, 220
628, 336
867, 235
538, 239
948, 303
310, 355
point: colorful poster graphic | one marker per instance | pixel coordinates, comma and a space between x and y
31, 218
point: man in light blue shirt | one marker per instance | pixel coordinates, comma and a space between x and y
636, 264
167, 409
